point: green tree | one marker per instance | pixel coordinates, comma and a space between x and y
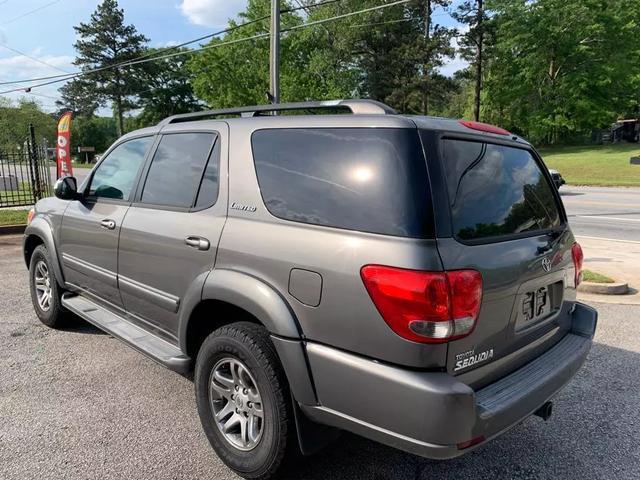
238, 74
107, 41
396, 53
561, 67
392, 55
15, 120
473, 41
97, 132
79, 97
168, 90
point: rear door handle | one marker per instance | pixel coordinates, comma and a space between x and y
108, 224
197, 242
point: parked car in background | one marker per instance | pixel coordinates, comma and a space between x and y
558, 181
409, 279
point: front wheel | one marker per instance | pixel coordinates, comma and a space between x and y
243, 400
45, 292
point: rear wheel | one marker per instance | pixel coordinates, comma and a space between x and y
243, 400
45, 292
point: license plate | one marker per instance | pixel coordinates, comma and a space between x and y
536, 304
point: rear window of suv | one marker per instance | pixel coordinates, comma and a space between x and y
367, 179
496, 191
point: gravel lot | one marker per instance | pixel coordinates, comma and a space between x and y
78, 404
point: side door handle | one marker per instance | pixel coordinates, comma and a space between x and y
197, 242
108, 224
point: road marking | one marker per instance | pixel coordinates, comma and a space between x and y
575, 202
599, 217
608, 239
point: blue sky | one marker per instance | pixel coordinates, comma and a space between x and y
47, 34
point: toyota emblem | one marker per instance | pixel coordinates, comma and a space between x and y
546, 264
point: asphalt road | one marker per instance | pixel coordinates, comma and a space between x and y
601, 212
78, 404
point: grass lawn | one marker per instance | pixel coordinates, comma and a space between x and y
595, 277
605, 165
13, 217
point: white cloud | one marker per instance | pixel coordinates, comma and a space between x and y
18, 67
211, 13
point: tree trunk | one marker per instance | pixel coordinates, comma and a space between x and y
120, 116
480, 27
425, 73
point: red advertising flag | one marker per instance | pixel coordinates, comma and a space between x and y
63, 162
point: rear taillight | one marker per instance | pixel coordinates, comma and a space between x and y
578, 257
426, 307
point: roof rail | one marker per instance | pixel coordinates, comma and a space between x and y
356, 106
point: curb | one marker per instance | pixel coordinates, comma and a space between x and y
604, 288
11, 229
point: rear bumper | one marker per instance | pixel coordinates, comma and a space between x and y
429, 414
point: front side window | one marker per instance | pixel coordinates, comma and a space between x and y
367, 179
177, 170
116, 174
495, 190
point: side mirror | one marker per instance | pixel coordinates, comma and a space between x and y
66, 188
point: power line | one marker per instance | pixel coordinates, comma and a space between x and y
173, 47
15, 50
344, 15
216, 45
151, 54
388, 22
310, 6
42, 7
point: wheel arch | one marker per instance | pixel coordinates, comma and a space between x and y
39, 233
244, 292
229, 296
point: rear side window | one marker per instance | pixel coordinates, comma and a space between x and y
371, 180
496, 191
177, 169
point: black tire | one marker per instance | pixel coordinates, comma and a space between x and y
54, 315
250, 344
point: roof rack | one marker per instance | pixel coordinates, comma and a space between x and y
356, 106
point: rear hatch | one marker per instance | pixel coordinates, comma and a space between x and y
504, 219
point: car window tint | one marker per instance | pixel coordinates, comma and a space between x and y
208, 193
116, 174
366, 179
177, 168
496, 190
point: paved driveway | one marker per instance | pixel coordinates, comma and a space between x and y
78, 404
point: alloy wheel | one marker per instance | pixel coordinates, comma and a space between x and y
236, 404
42, 283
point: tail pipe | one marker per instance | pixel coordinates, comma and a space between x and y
545, 411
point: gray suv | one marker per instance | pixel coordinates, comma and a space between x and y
325, 266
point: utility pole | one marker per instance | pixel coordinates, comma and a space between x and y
480, 42
425, 73
274, 53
